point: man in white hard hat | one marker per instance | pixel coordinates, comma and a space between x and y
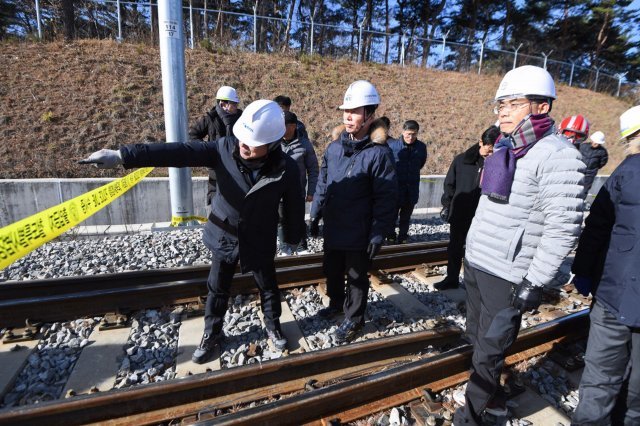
254, 177
356, 198
527, 221
594, 155
606, 265
217, 123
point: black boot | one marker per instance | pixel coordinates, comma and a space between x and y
204, 352
447, 284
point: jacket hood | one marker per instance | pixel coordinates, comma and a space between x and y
472, 154
378, 132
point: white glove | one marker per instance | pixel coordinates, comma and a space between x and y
104, 159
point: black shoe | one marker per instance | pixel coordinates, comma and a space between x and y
446, 284
277, 339
205, 351
391, 239
404, 240
330, 312
347, 331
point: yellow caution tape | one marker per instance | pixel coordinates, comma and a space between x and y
176, 220
26, 235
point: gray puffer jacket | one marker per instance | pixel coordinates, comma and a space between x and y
301, 150
530, 235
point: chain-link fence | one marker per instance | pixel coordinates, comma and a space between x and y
213, 28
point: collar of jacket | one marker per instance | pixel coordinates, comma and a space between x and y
351, 146
472, 155
272, 171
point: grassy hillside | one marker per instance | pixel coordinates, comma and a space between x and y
59, 102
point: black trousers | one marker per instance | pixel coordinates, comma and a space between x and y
610, 347
492, 326
404, 218
219, 285
455, 250
355, 265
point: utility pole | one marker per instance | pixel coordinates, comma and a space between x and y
174, 96
515, 56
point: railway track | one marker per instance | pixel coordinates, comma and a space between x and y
320, 384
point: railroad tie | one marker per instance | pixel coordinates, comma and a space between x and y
188, 341
99, 361
13, 356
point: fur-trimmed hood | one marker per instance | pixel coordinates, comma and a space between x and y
378, 132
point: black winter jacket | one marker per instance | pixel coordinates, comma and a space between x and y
213, 127
356, 193
246, 209
609, 247
461, 186
409, 160
595, 159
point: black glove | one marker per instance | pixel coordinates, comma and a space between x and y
314, 227
526, 297
373, 249
444, 214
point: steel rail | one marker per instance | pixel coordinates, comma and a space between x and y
163, 401
50, 287
123, 293
334, 399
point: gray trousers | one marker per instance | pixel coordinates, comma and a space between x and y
492, 326
610, 347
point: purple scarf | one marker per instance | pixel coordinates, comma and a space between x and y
500, 167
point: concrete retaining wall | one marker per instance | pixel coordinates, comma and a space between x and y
147, 202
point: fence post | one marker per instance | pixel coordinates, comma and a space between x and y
545, 58
515, 56
360, 40
573, 66
313, 17
119, 39
403, 40
38, 19
620, 77
191, 39
595, 88
206, 24
444, 42
481, 56
255, 27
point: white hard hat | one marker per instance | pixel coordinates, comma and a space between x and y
630, 122
360, 93
598, 137
227, 93
526, 81
261, 123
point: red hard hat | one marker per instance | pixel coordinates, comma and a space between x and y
575, 123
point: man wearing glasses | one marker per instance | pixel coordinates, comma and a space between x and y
217, 123
527, 221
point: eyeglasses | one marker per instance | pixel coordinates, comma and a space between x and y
225, 102
509, 107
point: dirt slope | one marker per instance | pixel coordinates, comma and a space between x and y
59, 102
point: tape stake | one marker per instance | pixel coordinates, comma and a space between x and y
20, 238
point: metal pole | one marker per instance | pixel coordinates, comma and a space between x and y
573, 65
403, 40
444, 41
119, 23
38, 19
595, 89
174, 96
191, 38
620, 77
360, 40
206, 24
313, 16
545, 58
255, 27
515, 56
481, 56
